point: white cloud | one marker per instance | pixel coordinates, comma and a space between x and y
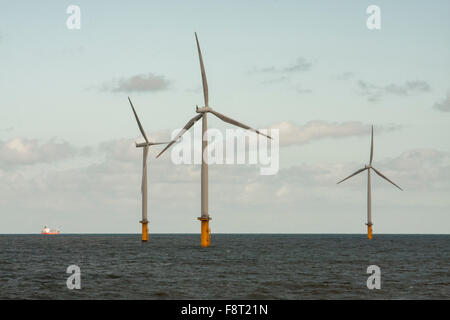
421, 169
443, 105
300, 65
375, 92
108, 188
138, 83
345, 76
292, 134
22, 151
283, 73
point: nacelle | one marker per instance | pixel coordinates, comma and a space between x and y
203, 110
143, 144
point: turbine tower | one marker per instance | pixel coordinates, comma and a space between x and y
202, 112
369, 193
144, 145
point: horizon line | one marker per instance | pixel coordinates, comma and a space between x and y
224, 233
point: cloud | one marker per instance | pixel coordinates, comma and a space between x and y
22, 151
120, 150
443, 105
300, 65
109, 190
375, 92
263, 70
303, 90
283, 74
420, 169
276, 80
413, 169
292, 134
125, 150
138, 83
7, 129
345, 76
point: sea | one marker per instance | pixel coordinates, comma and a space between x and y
235, 266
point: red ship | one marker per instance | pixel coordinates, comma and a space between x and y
47, 230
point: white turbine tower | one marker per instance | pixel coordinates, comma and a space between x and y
144, 145
369, 193
204, 218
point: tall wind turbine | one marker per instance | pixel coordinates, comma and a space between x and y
369, 193
202, 112
144, 145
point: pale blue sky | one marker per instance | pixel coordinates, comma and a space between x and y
51, 80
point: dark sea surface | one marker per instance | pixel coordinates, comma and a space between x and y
236, 266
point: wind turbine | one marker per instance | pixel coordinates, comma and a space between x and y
369, 194
202, 112
144, 145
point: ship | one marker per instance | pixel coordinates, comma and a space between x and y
48, 231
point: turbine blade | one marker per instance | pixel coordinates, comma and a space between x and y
185, 128
353, 174
138, 122
202, 67
371, 148
157, 143
381, 175
236, 123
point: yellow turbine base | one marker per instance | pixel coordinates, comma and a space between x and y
369, 232
144, 231
206, 232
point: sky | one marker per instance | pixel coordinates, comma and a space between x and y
311, 69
